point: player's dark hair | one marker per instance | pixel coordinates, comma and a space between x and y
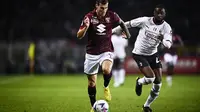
161, 6
101, 1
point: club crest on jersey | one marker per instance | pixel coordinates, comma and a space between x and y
107, 20
94, 20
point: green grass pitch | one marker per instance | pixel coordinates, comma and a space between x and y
69, 94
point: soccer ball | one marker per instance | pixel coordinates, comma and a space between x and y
101, 106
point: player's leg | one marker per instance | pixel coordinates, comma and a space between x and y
155, 87
170, 67
91, 67
106, 64
115, 77
121, 71
92, 87
157, 68
31, 66
106, 68
145, 68
115, 72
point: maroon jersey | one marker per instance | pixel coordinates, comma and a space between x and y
99, 32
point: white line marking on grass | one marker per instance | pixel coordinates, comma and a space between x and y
14, 79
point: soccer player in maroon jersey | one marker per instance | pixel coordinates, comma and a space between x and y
171, 57
99, 50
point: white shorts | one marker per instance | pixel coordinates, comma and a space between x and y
92, 62
168, 58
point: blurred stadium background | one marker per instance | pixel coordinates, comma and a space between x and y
45, 31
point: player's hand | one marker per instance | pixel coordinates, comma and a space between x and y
160, 37
86, 22
124, 35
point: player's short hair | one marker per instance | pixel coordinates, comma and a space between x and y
161, 6
101, 1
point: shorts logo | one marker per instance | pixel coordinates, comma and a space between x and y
157, 60
140, 63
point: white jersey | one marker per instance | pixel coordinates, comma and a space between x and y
119, 44
147, 40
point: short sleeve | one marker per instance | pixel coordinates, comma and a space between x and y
116, 18
138, 22
167, 32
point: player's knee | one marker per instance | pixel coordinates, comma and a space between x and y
149, 80
91, 83
106, 71
156, 87
157, 80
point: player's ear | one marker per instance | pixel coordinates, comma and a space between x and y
154, 12
96, 5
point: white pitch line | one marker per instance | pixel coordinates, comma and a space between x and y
14, 79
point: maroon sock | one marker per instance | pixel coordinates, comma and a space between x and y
92, 94
107, 78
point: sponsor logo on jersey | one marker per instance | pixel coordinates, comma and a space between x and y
101, 29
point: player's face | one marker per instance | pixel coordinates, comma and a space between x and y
101, 9
159, 14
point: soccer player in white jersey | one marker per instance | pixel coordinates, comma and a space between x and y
153, 31
119, 44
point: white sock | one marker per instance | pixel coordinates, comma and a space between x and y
153, 94
121, 76
144, 80
114, 73
169, 80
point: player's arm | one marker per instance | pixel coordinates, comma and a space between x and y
121, 26
83, 28
181, 44
124, 28
138, 22
166, 38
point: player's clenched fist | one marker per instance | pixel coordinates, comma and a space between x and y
86, 21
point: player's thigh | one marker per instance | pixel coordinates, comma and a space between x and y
156, 65
91, 65
175, 58
155, 61
116, 63
168, 57
143, 65
107, 62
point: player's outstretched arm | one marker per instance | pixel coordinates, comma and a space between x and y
180, 42
125, 29
138, 22
119, 29
166, 38
83, 28
81, 32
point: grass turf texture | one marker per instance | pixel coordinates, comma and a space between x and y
69, 94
